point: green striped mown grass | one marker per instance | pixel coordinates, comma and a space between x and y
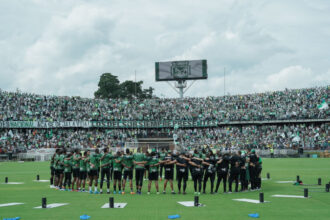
219, 206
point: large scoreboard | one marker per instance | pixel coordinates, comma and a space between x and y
181, 70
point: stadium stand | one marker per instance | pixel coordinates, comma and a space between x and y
281, 119
279, 105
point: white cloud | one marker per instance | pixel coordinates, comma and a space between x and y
62, 47
69, 53
230, 35
291, 77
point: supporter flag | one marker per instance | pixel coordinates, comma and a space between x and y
296, 138
49, 134
10, 133
324, 105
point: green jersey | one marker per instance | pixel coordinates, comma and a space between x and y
67, 166
106, 160
139, 157
162, 155
153, 161
147, 158
111, 159
88, 166
83, 164
259, 164
60, 162
56, 160
128, 162
95, 161
117, 163
75, 161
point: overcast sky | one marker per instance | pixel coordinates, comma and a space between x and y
62, 47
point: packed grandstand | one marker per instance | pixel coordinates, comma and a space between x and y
280, 119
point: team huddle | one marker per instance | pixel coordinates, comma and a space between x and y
70, 169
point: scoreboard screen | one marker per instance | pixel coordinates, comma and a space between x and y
181, 70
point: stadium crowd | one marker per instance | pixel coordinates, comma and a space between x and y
279, 105
203, 165
229, 137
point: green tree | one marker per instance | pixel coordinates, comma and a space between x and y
148, 93
109, 87
129, 89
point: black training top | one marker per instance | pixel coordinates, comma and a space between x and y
212, 167
182, 161
171, 166
224, 165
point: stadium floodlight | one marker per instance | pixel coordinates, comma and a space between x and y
181, 71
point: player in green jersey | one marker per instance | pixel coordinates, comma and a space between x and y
60, 168
162, 156
75, 168
153, 171
128, 170
139, 161
88, 166
82, 172
105, 159
111, 165
94, 162
117, 172
67, 171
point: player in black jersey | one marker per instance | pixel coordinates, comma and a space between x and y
242, 174
197, 171
222, 171
210, 168
169, 162
146, 166
253, 169
52, 169
258, 172
182, 171
234, 171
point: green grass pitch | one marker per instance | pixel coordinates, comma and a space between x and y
220, 206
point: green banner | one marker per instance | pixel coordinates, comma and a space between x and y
111, 124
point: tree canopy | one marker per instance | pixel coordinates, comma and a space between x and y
110, 87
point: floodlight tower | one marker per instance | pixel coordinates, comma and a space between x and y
180, 72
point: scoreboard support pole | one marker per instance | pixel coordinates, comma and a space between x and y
181, 85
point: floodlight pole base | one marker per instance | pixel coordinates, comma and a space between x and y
181, 85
